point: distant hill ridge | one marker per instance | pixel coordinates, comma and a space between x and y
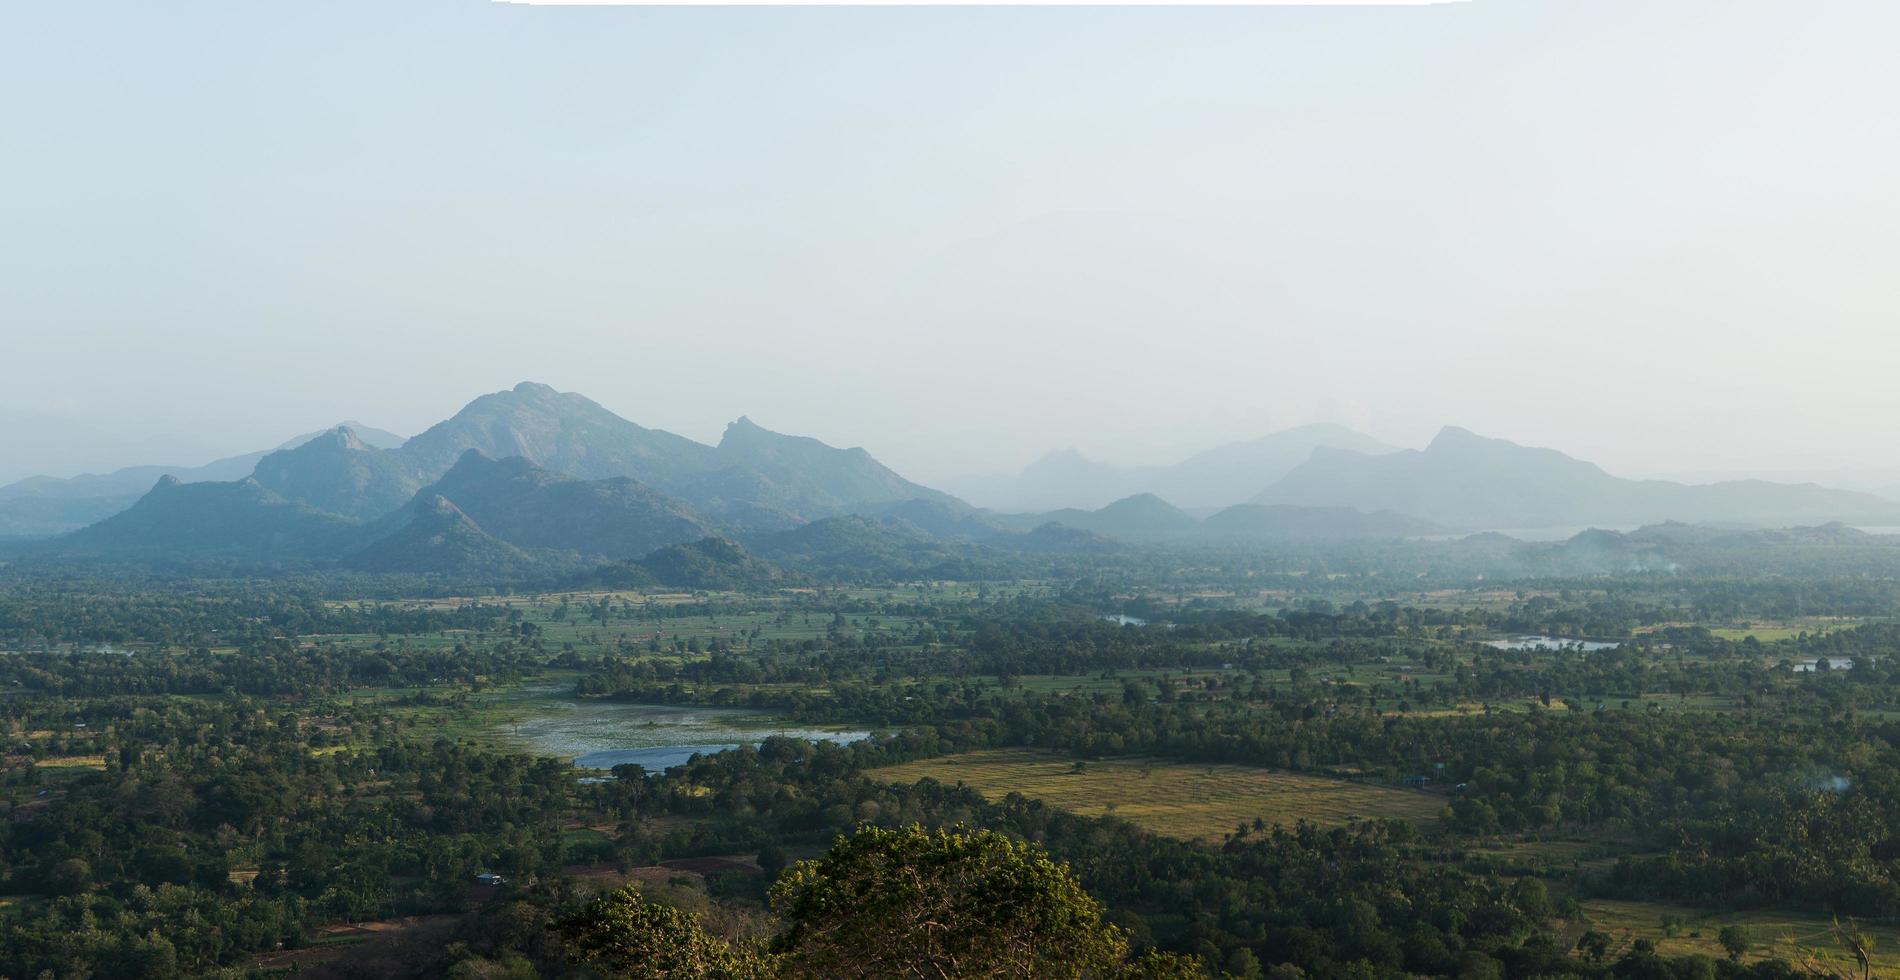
1146, 518
1468, 481
43, 506
1218, 477
439, 539
532, 507
341, 473
191, 520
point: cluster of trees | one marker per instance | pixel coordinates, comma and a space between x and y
902, 902
189, 833
1743, 803
278, 666
1365, 901
217, 828
38, 616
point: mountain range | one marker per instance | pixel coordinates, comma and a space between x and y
1464, 480
753, 479
42, 506
213, 519
531, 507
515, 477
1219, 477
529, 480
1146, 518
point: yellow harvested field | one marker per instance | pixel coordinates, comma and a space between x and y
72, 762
1178, 799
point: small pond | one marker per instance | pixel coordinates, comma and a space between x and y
1550, 643
605, 734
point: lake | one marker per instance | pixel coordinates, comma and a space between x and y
1550, 643
605, 734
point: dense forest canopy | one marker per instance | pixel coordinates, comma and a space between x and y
1591, 776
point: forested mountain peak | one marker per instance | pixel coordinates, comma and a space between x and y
541, 468
563, 431
440, 539
820, 476
340, 473
532, 507
1139, 517
239, 518
342, 437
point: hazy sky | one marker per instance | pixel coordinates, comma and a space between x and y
1660, 235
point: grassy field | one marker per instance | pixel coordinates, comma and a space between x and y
73, 762
481, 715
1781, 934
1177, 799
1771, 631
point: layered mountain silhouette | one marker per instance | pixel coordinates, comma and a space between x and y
812, 476
532, 507
340, 473
1676, 545
709, 563
562, 431
43, 506
1281, 522
1234, 473
1468, 481
754, 478
439, 539
1222, 476
1146, 518
530, 480
575, 480
238, 519
1142, 517
859, 548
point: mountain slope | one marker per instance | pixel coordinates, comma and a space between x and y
953, 521
1065, 480
710, 563
814, 477
864, 549
1465, 480
1238, 471
1222, 476
531, 507
340, 473
236, 519
43, 506
439, 539
561, 431
755, 479
1142, 517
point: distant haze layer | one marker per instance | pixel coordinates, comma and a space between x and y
1660, 236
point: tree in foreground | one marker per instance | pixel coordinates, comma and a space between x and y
621, 934
913, 903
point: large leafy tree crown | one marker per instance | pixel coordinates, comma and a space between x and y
936, 904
